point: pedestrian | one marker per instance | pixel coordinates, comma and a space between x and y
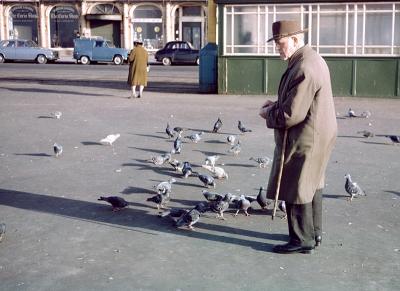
304, 112
138, 60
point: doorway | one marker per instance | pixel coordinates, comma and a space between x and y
192, 33
108, 29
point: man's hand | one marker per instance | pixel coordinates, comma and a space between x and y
264, 108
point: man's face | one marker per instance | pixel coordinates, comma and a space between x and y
286, 47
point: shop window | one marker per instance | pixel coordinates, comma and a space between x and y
64, 25
23, 22
147, 26
191, 11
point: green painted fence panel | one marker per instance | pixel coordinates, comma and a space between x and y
341, 76
276, 68
245, 76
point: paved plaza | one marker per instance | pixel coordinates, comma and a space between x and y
59, 237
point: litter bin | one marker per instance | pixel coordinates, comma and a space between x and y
208, 71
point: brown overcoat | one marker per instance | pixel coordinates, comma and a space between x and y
305, 108
138, 59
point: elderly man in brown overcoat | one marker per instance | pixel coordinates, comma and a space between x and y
137, 76
305, 113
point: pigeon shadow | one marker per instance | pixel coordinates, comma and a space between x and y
136, 190
206, 153
34, 154
46, 116
130, 218
150, 150
350, 136
241, 165
334, 196
186, 202
377, 143
215, 141
190, 185
150, 135
90, 143
36, 90
393, 192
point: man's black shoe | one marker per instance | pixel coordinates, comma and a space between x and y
318, 240
289, 248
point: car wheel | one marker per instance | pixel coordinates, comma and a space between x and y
41, 59
197, 61
166, 61
85, 60
118, 60
2, 59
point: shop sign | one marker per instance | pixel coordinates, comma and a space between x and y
23, 13
64, 14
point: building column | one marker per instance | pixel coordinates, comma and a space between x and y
2, 26
82, 20
126, 31
44, 35
169, 24
212, 22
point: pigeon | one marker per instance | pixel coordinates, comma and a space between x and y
211, 160
212, 196
173, 213
178, 129
160, 159
218, 172
160, 199
217, 125
231, 139
187, 170
169, 131
220, 206
242, 203
394, 138
282, 207
2, 231
242, 128
177, 145
196, 137
351, 113
366, 133
116, 202
262, 198
192, 216
177, 165
57, 114
165, 187
352, 188
58, 149
207, 180
235, 149
110, 139
365, 114
263, 162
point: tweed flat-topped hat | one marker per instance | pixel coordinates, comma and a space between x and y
285, 28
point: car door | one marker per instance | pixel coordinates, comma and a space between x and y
8, 49
182, 54
25, 51
101, 52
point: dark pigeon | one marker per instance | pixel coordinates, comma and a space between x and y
169, 131
207, 180
217, 125
242, 128
116, 202
221, 206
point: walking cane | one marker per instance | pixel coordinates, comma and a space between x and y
278, 186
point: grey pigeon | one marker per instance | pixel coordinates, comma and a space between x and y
173, 213
220, 206
263, 162
352, 188
169, 131
365, 114
231, 139
236, 149
187, 170
351, 113
207, 180
177, 145
192, 216
178, 129
394, 138
262, 198
196, 137
160, 199
366, 133
242, 128
116, 202
160, 159
282, 207
58, 149
177, 165
2, 231
242, 203
217, 125
165, 187
212, 196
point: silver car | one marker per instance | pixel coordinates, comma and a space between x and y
25, 50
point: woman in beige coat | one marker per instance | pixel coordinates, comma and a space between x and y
305, 111
138, 60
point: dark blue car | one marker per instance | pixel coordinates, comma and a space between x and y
177, 52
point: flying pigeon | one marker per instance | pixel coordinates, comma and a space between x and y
366, 133
160, 159
116, 202
351, 113
235, 149
187, 170
217, 125
394, 138
169, 131
160, 199
58, 149
220, 206
196, 137
263, 162
110, 139
282, 207
207, 180
218, 172
192, 216
57, 114
231, 139
242, 128
352, 188
242, 203
177, 165
177, 145
211, 160
212, 196
165, 187
2, 231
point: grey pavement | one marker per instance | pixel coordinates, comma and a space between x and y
59, 237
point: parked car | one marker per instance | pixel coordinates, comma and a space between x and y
177, 52
25, 50
97, 49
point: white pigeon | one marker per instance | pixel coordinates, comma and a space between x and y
211, 160
177, 165
218, 172
57, 114
235, 149
165, 187
351, 113
231, 139
58, 149
160, 159
352, 188
262, 161
110, 139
